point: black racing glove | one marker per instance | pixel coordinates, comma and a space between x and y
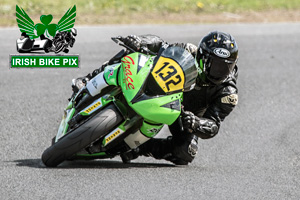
202, 127
133, 42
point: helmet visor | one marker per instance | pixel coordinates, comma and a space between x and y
219, 69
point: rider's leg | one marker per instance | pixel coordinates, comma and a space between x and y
180, 148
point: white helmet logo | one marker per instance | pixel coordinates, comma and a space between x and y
223, 53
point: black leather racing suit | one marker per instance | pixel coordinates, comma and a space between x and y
210, 103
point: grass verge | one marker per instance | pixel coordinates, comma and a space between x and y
156, 11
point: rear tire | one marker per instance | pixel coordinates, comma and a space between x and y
91, 130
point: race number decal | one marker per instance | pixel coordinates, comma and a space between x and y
168, 74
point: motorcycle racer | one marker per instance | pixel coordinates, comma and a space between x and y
205, 106
63, 40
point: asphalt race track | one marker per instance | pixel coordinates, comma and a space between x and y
255, 156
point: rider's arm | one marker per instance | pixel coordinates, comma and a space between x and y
152, 42
208, 126
218, 110
223, 102
187, 46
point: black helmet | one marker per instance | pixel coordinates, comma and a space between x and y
216, 56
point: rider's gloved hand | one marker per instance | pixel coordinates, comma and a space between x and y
189, 120
133, 42
202, 127
78, 83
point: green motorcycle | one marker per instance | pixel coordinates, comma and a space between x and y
124, 106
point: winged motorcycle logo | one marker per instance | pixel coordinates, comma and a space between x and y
57, 38
62, 32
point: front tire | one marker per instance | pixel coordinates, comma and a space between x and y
98, 126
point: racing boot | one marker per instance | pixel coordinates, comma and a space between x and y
157, 148
178, 150
184, 149
130, 155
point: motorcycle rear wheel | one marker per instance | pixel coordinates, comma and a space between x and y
99, 125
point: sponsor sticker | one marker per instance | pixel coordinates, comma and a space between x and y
111, 72
221, 52
168, 74
127, 62
113, 135
92, 108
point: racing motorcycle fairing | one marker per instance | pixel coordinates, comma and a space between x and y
144, 93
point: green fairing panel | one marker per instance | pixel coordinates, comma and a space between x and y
134, 69
154, 110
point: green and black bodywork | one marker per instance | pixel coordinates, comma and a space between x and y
144, 93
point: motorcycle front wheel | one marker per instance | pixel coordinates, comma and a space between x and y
74, 141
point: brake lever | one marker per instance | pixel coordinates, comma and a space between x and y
117, 39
